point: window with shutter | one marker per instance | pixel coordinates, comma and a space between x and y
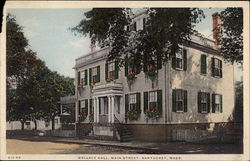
179, 61
217, 103
111, 71
179, 100
216, 68
203, 102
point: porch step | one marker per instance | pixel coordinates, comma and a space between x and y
126, 134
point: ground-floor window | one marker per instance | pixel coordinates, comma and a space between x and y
153, 101
217, 103
203, 102
179, 100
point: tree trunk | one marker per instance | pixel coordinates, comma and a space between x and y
53, 123
22, 122
35, 124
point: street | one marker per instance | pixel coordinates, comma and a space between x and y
48, 145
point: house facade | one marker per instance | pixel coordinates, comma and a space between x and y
193, 91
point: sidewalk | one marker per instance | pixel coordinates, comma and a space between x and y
149, 148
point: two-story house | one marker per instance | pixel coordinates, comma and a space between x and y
191, 92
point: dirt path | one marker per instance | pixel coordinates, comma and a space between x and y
28, 147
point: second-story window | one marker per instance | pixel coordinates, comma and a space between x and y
179, 60
83, 77
216, 68
111, 71
94, 75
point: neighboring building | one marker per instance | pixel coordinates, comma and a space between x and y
30, 125
194, 91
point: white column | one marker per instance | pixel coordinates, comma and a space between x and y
76, 111
109, 109
112, 108
94, 109
97, 110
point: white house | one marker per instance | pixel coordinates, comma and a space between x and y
192, 92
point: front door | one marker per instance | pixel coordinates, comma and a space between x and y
103, 110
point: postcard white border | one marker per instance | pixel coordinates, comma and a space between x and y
132, 4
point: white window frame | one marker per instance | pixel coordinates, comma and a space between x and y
217, 103
82, 77
204, 100
179, 56
111, 69
132, 101
82, 105
94, 73
152, 99
179, 99
216, 67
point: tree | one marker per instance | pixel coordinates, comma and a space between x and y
164, 30
232, 36
50, 88
20, 59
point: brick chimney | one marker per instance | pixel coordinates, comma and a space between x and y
92, 43
216, 26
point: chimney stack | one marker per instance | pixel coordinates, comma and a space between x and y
216, 27
92, 43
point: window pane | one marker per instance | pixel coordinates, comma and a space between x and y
153, 96
132, 98
94, 71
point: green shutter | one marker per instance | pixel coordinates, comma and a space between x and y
220, 68
138, 102
145, 94
86, 106
90, 76
208, 102
185, 101
106, 71
159, 100
79, 107
203, 64
116, 70
98, 74
126, 103
126, 67
174, 100
212, 67
184, 59
221, 105
199, 102
213, 103
159, 62
174, 62
86, 77
90, 106
78, 78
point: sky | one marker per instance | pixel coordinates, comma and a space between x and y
48, 33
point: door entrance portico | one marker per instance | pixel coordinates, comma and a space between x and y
105, 99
